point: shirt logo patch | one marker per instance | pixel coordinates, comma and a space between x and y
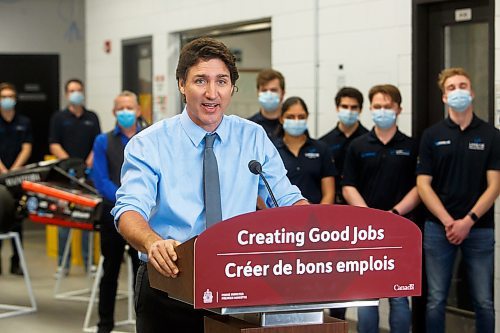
311, 155
88, 123
400, 152
442, 143
20, 128
368, 154
476, 145
336, 146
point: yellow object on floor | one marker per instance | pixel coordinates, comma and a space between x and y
76, 247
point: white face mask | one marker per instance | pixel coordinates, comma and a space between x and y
295, 127
269, 101
384, 118
348, 117
76, 98
459, 99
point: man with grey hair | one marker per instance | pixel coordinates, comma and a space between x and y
108, 160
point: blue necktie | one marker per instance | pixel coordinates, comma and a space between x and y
211, 186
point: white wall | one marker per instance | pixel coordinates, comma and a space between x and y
349, 34
49, 26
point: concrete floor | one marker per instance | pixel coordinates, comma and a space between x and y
53, 315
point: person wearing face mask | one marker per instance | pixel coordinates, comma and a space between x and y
458, 178
271, 90
15, 149
379, 172
308, 162
349, 104
72, 133
108, 159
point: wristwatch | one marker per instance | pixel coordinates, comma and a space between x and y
473, 216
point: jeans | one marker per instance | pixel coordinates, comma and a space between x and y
399, 317
62, 235
478, 255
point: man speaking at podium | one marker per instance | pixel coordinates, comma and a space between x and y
183, 174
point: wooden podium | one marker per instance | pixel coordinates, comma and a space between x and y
276, 270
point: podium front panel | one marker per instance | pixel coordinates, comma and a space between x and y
306, 254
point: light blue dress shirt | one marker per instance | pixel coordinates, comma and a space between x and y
162, 174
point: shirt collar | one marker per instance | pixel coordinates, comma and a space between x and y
117, 130
474, 122
196, 134
74, 115
398, 136
279, 143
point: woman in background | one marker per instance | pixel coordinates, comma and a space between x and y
309, 162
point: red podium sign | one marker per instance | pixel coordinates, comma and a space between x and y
306, 254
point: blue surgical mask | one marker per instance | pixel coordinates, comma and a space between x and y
7, 103
295, 127
459, 100
126, 118
76, 98
348, 117
269, 101
384, 118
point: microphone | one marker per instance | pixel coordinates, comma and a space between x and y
256, 168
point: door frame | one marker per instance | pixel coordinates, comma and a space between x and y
422, 100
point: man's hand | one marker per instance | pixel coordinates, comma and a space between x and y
458, 231
162, 255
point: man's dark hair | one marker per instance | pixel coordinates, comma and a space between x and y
73, 80
205, 49
352, 93
290, 101
267, 75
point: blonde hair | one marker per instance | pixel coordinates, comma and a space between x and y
127, 93
7, 85
449, 72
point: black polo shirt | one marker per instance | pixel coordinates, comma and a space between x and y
75, 134
382, 174
12, 136
306, 171
271, 126
338, 143
457, 161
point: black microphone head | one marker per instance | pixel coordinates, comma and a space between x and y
255, 167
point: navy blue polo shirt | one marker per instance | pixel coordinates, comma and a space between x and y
382, 173
75, 134
271, 126
458, 161
306, 170
338, 143
12, 136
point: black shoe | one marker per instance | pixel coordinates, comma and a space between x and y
104, 330
15, 269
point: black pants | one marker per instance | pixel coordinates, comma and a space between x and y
112, 247
16, 227
338, 313
156, 312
